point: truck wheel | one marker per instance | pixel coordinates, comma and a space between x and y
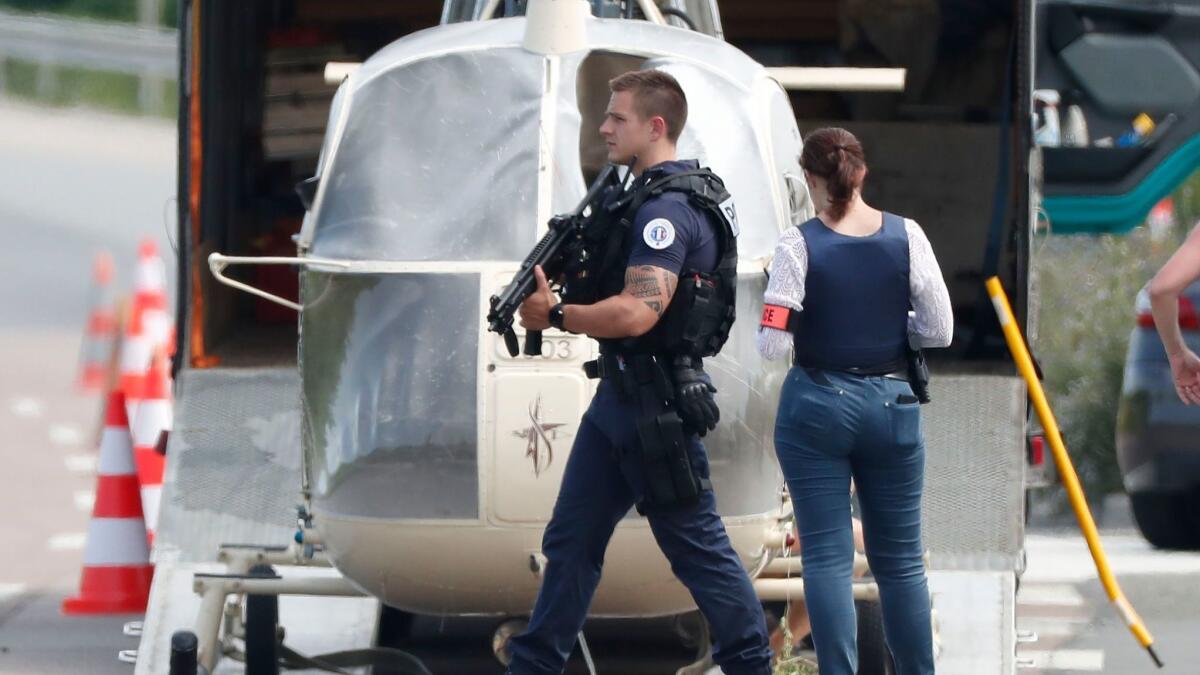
874, 657
1164, 520
262, 629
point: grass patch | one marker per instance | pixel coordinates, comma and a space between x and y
20, 78
108, 90
69, 86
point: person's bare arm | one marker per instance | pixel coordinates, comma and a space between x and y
630, 313
1165, 288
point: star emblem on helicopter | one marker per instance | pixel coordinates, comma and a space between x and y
539, 437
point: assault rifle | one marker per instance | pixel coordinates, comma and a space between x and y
562, 254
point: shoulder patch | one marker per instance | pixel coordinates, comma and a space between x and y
659, 234
730, 212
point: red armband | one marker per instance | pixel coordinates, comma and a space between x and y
776, 316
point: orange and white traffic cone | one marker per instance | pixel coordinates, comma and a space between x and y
135, 358
154, 418
116, 561
149, 324
101, 328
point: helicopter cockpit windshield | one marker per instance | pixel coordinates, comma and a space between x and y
698, 15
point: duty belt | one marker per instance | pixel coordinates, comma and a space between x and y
892, 371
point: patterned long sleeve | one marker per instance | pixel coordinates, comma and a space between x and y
786, 288
931, 323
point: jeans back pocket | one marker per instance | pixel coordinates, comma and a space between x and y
807, 407
905, 420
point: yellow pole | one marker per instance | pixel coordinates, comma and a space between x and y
1020, 353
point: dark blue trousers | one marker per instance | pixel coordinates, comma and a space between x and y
827, 432
597, 491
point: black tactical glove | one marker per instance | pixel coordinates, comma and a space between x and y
694, 396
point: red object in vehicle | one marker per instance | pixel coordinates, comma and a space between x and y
1188, 320
1037, 450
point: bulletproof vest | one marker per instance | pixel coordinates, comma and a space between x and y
856, 297
703, 309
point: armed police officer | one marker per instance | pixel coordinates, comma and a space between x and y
660, 299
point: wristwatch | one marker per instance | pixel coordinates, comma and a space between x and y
557, 316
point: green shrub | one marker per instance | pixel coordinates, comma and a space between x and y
1087, 286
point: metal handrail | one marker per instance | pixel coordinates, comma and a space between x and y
118, 47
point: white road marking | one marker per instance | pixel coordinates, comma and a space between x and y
27, 407
84, 500
1064, 659
67, 541
1049, 595
1055, 559
81, 463
1053, 626
10, 590
66, 435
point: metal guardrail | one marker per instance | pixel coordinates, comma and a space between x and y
118, 47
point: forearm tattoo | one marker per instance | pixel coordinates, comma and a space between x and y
653, 285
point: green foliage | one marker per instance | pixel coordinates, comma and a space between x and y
110, 10
1087, 287
105, 10
20, 78
112, 91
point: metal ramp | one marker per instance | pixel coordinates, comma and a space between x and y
234, 469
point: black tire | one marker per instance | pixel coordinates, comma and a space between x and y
874, 657
262, 629
1166, 521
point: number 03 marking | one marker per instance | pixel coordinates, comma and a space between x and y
557, 349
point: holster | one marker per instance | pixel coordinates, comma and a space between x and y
918, 374
669, 476
661, 450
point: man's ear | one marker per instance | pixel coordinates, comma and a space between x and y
659, 126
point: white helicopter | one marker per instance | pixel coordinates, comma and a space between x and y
426, 445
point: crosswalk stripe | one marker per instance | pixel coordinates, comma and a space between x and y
1049, 595
84, 499
81, 463
66, 435
1064, 659
10, 590
67, 541
1052, 626
27, 407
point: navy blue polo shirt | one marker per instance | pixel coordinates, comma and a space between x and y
669, 232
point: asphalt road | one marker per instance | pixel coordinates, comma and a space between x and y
75, 182
71, 184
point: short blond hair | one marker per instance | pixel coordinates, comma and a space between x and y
655, 94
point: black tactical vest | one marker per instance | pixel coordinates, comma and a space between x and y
703, 309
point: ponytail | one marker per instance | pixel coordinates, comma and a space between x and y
835, 155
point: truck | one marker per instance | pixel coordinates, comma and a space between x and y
345, 427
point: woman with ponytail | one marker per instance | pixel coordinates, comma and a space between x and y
850, 291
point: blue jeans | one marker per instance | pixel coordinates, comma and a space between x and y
827, 431
597, 491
